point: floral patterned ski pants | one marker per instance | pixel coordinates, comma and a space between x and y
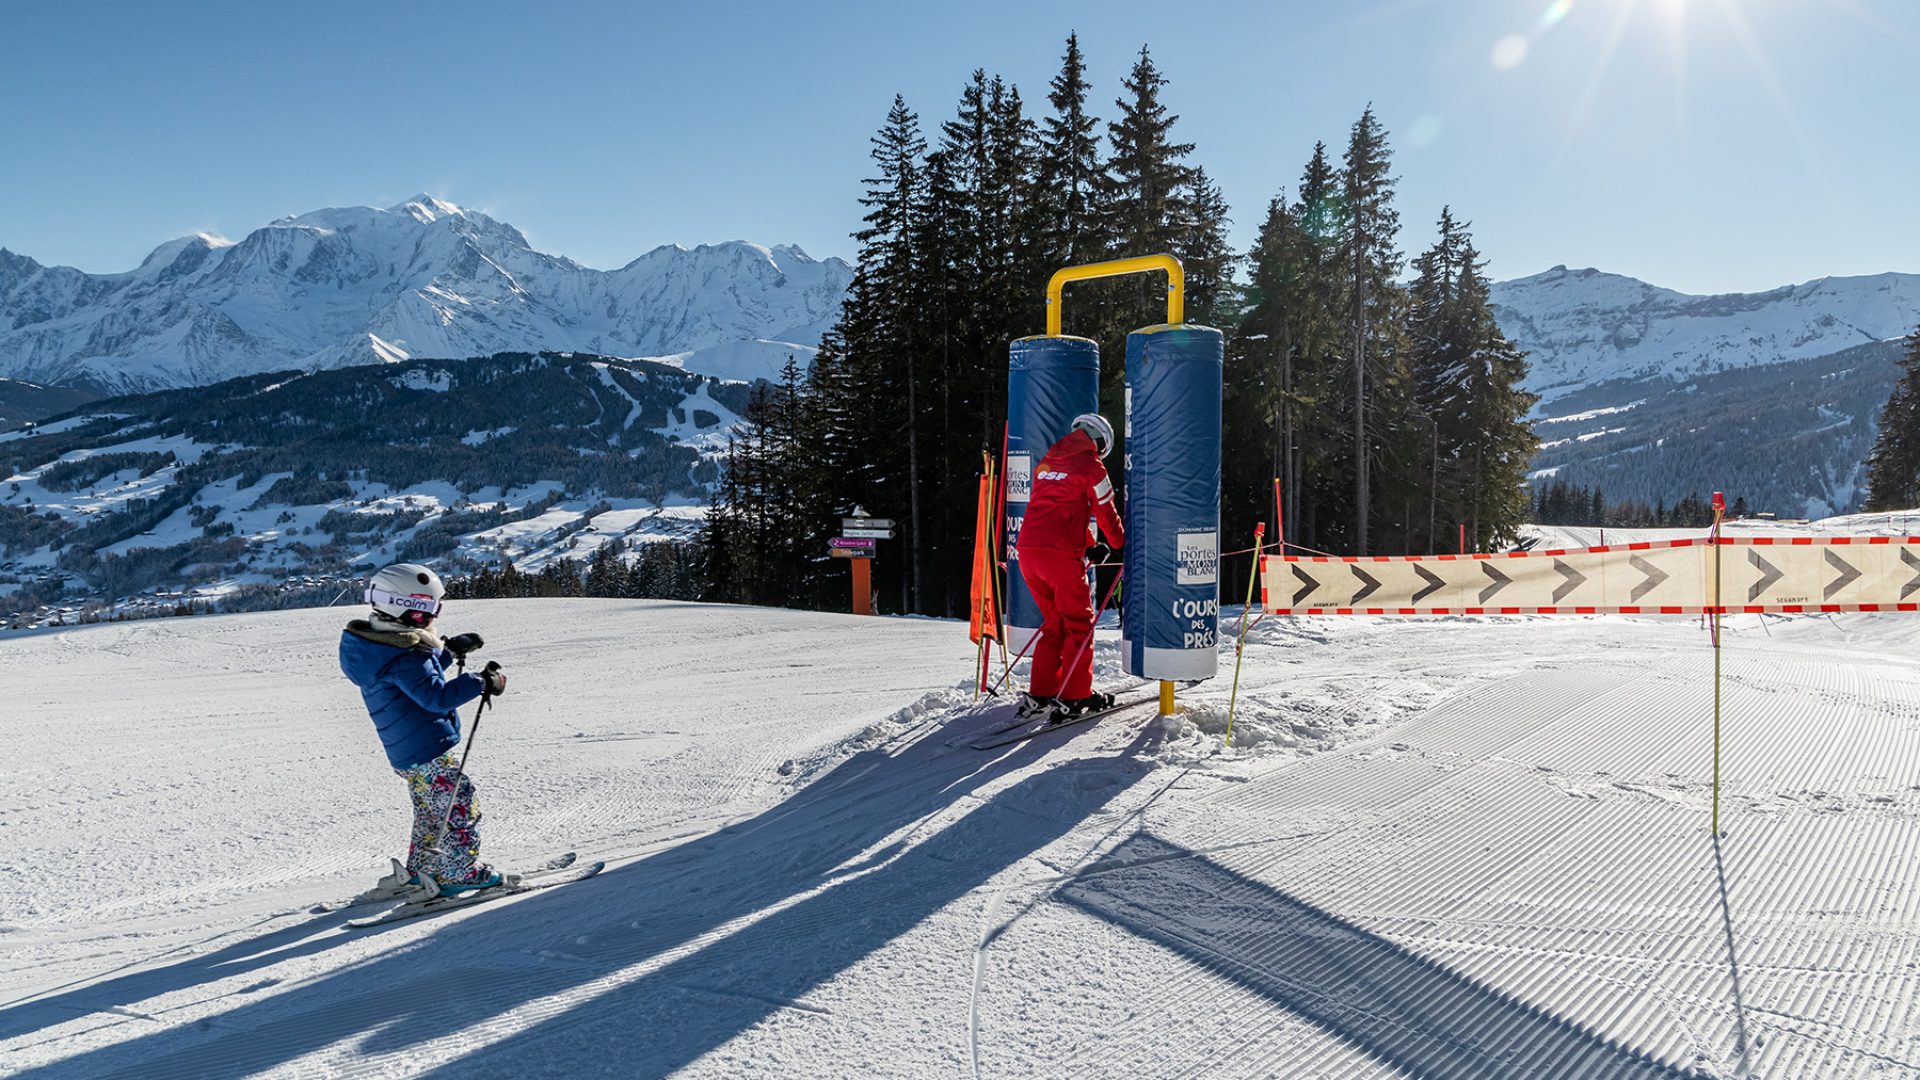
433, 785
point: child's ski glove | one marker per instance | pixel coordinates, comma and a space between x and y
493, 678
462, 644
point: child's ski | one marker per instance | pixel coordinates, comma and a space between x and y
540, 880
396, 885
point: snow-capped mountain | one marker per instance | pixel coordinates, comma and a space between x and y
1585, 327
425, 278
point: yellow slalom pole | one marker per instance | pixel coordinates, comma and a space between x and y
1719, 511
1240, 647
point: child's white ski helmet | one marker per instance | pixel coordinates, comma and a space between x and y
406, 593
1097, 429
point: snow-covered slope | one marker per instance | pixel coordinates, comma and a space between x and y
424, 278
1584, 327
1451, 848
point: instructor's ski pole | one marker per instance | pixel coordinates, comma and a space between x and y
1035, 639
460, 770
1099, 611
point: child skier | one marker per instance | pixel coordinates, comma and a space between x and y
1070, 487
400, 667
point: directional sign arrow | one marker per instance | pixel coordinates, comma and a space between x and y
1370, 586
1655, 576
1847, 574
1769, 574
1575, 579
1310, 583
1500, 581
1432, 579
1906, 556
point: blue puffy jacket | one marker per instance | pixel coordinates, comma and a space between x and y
402, 675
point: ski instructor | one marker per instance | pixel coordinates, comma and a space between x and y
1070, 489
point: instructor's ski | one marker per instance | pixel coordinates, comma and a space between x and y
1008, 739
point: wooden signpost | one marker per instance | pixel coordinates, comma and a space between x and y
859, 540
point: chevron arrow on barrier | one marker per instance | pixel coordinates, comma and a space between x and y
1655, 576
1500, 581
1769, 574
1906, 556
1366, 591
1847, 574
1575, 579
1434, 582
1310, 583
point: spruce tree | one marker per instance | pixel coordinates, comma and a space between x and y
887, 265
1373, 261
1438, 338
1467, 378
1259, 388
1147, 183
1503, 442
1204, 254
1893, 467
1070, 174
1319, 484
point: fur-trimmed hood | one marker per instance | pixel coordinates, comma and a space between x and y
397, 636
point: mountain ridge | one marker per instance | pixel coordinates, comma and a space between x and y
340, 286
1587, 327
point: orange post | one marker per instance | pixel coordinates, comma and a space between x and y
862, 586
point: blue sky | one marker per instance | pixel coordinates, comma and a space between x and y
1705, 145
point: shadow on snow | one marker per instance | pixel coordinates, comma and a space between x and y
1393, 1005
818, 915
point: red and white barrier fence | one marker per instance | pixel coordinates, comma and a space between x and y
1667, 577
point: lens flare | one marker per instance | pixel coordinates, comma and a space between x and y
1555, 12
1509, 51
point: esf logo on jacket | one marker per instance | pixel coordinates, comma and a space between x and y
1051, 474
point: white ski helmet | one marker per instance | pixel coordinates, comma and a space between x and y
1097, 429
406, 593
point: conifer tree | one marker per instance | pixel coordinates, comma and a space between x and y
1070, 173
887, 277
1504, 442
1147, 179
1893, 467
1373, 261
1467, 379
1204, 254
1319, 484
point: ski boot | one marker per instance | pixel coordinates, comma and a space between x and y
483, 877
1031, 706
1065, 709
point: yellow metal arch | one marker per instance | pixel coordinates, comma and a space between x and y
1176, 314
1144, 264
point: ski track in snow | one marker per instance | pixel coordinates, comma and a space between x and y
1447, 847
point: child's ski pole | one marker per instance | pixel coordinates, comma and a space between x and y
460, 770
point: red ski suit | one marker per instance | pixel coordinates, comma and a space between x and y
1070, 486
